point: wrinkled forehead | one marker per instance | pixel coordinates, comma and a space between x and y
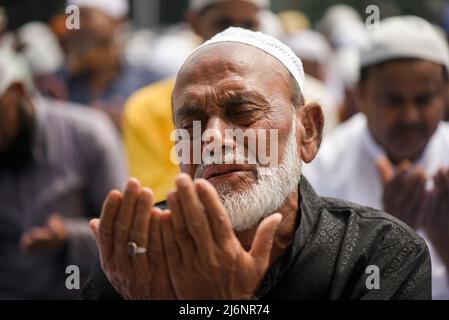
230, 64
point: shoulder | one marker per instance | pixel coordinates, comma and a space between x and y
373, 227
443, 132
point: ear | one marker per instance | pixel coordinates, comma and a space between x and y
311, 126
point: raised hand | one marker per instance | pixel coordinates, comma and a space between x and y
437, 222
404, 191
131, 218
205, 258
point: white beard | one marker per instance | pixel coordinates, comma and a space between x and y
248, 207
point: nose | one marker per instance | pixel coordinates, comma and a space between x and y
411, 114
215, 134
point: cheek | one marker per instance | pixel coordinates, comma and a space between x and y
382, 120
435, 112
275, 138
189, 169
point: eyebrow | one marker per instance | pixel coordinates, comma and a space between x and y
230, 97
187, 109
235, 97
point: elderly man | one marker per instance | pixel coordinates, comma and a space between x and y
147, 122
394, 155
57, 163
243, 229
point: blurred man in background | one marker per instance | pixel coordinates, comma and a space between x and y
343, 27
148, 122
394, 155
57, 163
96, 73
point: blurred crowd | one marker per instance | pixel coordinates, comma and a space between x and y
84, 109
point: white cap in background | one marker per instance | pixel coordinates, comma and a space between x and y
404, 37
310, 45
117, 9
13, 69
198, 5
41, 48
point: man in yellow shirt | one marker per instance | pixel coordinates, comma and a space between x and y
147, 122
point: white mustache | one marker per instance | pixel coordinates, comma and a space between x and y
228, 158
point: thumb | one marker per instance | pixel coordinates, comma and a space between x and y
93, 224
263, 241
385, 169
54, 223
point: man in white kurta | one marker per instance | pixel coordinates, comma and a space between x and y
348, 165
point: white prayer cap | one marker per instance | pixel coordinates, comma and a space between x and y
404, 37
310, 45
263, 42
41, 48
13, 69
116, 9
198, 5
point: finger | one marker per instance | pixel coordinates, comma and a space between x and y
94, 225
142, 218
394, 190
24, 241
55, 222
181, 233
139, 231
442, 198
40, 234
413, 181
263, 241
38, 240
402, 171
219, 220
394, 186
106, 224
171, 249
193, 210
155, 245
413, 199
124, 220
57, 226
385, 168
